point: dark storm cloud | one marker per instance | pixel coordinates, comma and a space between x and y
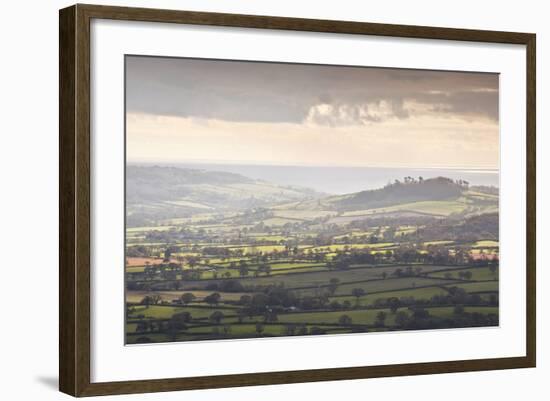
272, 92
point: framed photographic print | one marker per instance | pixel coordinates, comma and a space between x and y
250, 200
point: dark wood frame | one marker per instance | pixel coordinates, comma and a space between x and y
74, 199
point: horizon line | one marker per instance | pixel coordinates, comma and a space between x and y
486, 169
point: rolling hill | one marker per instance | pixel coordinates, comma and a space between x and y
437, 197
158, 192
155, 193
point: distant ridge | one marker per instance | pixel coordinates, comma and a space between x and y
155, 193
406, 191
158, 192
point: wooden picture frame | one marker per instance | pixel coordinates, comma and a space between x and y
74, 199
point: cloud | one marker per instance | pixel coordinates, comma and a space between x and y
480, 102
238, 91
336, 115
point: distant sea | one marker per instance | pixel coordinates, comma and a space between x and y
342, 180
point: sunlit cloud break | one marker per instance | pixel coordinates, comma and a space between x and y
189, 109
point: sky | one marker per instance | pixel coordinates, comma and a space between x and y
193, 110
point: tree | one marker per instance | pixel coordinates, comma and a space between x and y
182, 317
216, 317
401, 319
270, 316
381, 319
394, 304
187, 298
167, 253
212, 299
151, 300
156, 299
264, 268
317, 330
344, 320
243, 270
192, 260
357, 293
259, 328
458, 310
333, 285
420, 313
245, 300
302, 330
241, 314
335, 305
289, 329
176, 324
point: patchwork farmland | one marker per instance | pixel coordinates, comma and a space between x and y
293, 262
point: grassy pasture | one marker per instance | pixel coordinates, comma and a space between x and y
135, 269
269, 238
296, 265
251, 249
240, 329
303, 214
482, 286
481, 195
311, 278
353, 234
211, 274
405, 230
478, 273
135, 261
440, 208
486, 244
305, 269
149, 228
379, 286
166, 312
366, 316
443, 242
322, 278
448, 310
484, 251
341, 247
187, 203
417, 293
280, 221
137, 296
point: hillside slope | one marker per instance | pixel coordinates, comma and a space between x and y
155, 192
435, 197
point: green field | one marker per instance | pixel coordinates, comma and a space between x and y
280, 260
486, 244
381, 286
441, 208
478, 273
165, 312
424, 293
487, 286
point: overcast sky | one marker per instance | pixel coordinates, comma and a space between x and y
181, 110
